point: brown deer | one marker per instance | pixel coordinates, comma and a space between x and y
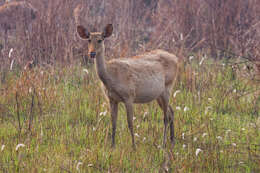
141, 79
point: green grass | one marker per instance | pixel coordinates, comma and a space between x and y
70, 133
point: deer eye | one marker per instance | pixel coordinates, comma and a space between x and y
99, 41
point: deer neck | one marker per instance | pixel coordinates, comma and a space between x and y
101, 67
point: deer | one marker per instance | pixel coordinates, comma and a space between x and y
137, 80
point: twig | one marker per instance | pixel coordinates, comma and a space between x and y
31, 111
39, 103
18, 113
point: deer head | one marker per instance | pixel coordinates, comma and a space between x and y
95, 39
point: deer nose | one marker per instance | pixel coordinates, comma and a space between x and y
92, 54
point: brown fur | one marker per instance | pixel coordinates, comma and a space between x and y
140, 79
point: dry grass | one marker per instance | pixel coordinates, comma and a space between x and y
213, 27
65, 124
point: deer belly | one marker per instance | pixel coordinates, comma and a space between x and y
149, 89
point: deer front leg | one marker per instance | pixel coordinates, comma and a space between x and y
114, 112
129, 110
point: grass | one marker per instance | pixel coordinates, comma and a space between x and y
219, 131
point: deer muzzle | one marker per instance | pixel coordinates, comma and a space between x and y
92, 54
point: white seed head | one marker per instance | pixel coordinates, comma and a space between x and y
191, 58
18, 146
85, 70
136, 134
176, 92
198, 150
103, 113
2, 147
183, 135
201, 61
12, 63
178, 108
185, 109
78, 164
228, 131
204, 134
10, 52
145, 113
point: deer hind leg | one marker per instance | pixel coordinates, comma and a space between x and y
129, 110
163, 102
114, 112
171, 117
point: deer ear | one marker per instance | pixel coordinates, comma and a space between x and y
108, 31
83, 32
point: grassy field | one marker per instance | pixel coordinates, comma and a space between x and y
57, 120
